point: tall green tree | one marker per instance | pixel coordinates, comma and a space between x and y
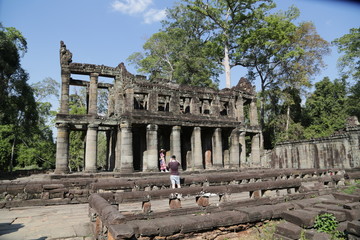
229, 19
18, 110
325, 110
353, 100
349, 45
181, 52
282, 55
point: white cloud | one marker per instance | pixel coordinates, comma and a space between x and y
131, 7
154, 15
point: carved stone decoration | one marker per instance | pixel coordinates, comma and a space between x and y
245, 85
65, 54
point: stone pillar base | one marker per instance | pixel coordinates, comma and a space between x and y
61, 170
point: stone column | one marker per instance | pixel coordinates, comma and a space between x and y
243, 149
91, 148
240, 109
62, 149
217, 149
255, 151
152, 148
118, 151
175, 142
234, 149
65, 86
93, 93
196, 149
253, 113
126, 148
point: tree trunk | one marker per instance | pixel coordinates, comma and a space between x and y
287, 122
12, 154
226, 64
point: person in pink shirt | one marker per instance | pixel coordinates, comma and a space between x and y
162, 161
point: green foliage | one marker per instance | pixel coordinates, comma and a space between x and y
179, 53
349, 45
352, 102
25, 137
351, 189
325, 223
325, 110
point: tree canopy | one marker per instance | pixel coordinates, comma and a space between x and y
24, 130
349, 45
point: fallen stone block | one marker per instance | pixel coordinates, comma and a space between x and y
353, 227
120, 231
353, 237
342, 226
352, 206
289, 230
315, 235
277, 236
278, 209
300, 217
347, 197
340, 216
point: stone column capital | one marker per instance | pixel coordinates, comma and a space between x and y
95, 75
152, 127
62, 125
125, 124
93, 126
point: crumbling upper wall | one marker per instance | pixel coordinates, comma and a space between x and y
131, 97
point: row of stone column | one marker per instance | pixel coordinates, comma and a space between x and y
124, 149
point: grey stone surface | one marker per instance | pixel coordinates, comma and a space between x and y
45, 222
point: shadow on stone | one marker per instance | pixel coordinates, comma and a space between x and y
6, 228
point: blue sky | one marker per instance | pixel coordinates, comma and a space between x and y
108, 31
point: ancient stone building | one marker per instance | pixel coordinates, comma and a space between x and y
204, 127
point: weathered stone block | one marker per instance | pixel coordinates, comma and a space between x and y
202, 201
146, 207
353, 227
347, 197
52, 186
174, 203
353, 237
301, 218
169, 225
314, 235
228, 218
277, 236
289, 230
351, 206
121, 231
15, 188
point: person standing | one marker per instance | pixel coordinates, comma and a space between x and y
173, 165
162, 161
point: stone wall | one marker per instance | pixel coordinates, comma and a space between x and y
342, 150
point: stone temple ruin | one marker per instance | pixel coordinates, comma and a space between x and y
229, 183
205, 128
